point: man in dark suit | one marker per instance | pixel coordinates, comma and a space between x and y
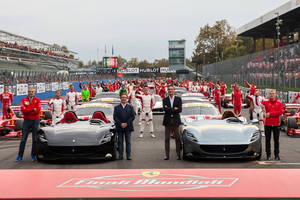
123, 116
172, 106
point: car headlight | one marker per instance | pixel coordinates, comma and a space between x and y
191, 137
255, 136
42, 136
106, 138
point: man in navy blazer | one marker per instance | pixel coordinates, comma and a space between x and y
123, 116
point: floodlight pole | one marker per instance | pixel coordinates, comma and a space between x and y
277, 24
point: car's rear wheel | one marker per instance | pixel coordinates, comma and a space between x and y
48, 115
19, 125
18, 114
225, 103
291, 123
247, 102
282, 125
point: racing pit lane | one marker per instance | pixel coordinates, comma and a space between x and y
148, 153
150, 183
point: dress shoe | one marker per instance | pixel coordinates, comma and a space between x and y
33, 158
178, 158
277, 158
18, 159
166, 158
129, 158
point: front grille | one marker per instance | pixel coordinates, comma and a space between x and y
223, 149
74, 150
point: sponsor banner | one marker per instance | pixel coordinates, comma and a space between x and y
60, 86
106, 70
22, 89
14, 90
40, 87
48, 87
151, 183
129, 71
54, 86
292, 96
1, 88
65, 85
167, 70
149, 70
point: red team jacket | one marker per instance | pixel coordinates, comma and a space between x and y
27, 108
275, 108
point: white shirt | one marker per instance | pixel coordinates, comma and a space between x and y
123, 105
172, 100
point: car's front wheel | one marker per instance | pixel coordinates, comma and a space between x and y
183, 152
115, 149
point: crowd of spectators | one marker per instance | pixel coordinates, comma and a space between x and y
12, 77
284, 63
33, 50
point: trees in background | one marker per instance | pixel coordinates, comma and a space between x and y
219, 42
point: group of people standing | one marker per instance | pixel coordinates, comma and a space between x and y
266, 111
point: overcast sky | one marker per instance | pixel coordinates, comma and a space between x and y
136, 28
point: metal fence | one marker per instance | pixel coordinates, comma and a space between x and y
275, 68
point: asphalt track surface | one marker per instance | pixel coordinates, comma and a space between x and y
148, 153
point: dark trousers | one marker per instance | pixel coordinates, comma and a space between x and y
167, 139
121, 143
29, 125
268, 133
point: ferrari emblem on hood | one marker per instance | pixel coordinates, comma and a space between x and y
151, 174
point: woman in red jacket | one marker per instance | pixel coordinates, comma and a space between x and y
273, 109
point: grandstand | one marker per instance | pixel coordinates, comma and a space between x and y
275, 67
22, 53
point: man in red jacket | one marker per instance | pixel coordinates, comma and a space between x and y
217, 97
237, 98
31, 108
274, 109
6, 98
252, 87
296, 100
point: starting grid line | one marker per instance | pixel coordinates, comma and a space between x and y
267, 162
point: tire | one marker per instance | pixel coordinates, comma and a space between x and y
292, 123
19, 125
183, 153
18, 114
260, 153
251, 114
225, 103
246, 101
282, 125
115, 149
48, 115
